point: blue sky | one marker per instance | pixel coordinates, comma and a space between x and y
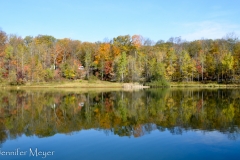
95, 20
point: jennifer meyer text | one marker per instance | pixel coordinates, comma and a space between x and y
32, 152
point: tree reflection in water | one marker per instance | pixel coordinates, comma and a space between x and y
123, 113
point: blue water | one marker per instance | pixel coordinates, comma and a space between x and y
93, 144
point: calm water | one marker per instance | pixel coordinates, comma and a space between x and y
147, 124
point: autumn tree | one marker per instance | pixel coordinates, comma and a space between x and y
3, 38
170, 62
126, 58
102, 57
188, 66
122, 44
227, 64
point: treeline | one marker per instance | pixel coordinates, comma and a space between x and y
45, 114
124, 58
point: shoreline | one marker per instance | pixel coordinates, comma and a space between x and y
84, 84
201, 85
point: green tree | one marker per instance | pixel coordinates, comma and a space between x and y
228, 63
188, 66
122, 66
88, 60
170, 62
69, 72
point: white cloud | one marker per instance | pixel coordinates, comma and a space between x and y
208, 138
208, 30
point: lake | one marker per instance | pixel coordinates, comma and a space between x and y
146, 124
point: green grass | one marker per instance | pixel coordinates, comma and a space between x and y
98, 84
69, 84
160, 83
199, 84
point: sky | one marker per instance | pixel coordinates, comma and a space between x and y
101, 20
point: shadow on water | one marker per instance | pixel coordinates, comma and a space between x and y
135, 113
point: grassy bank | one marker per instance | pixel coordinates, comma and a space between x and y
165, 84
98, 84
68, 84
202, 85
77, 85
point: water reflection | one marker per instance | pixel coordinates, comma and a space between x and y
135, 113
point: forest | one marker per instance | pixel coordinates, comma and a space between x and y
123, 59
